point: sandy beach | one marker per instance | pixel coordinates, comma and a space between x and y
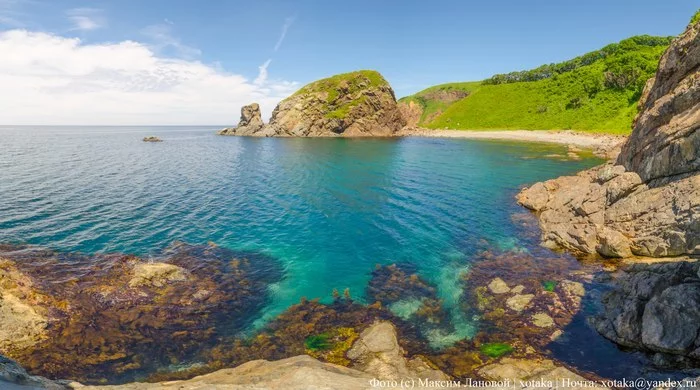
601, 143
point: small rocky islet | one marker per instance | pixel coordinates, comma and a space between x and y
119, 318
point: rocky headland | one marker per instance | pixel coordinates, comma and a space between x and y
356, 104
645, 204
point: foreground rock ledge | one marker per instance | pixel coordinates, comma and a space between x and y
647, 203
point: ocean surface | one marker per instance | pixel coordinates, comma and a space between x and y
327, 210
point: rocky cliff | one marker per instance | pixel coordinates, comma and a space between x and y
352, 104
647, 203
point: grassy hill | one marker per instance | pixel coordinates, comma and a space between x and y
597, 91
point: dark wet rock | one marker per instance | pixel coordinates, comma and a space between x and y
114, 316
13, 373
655, 307
250, 122
152, 139
647, 203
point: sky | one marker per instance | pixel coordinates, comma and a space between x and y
186, 62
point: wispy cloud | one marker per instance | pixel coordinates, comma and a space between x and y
10, 14
262, 73
285, 27
51, 79
162, 37
86, 19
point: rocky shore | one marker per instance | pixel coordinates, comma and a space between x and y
647, 202
644, 204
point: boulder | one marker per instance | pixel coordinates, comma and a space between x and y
156, 274
152, 139
377, 352
498, 286
655, 307
250, 122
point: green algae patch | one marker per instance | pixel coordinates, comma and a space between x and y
549, 285
495, 350
331, 346
317, 343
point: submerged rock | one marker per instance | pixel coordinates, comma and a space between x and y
111, 316
545, 299
250, 122
407, 295
606, 210
352, 104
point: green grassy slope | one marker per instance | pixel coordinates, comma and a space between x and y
433, 107
597, 91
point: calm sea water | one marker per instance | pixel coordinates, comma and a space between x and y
327, 209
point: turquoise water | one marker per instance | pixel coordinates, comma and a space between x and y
327, 209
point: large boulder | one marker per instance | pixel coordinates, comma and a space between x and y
655, 307
352, 104
647, 203
250, 122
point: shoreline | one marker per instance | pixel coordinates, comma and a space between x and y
597, 142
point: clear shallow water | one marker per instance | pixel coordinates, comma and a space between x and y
327, 209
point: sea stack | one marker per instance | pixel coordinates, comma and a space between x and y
250, 122
356, 104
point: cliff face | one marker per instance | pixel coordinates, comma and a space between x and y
648, 202
352, 104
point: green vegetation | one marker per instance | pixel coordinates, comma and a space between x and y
348, 84
695, 18
549, 285
495, 350
597, 92
429, 99
353, 81
317, 342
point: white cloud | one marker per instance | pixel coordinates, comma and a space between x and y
262, 73
287, 24
50, 79
86, 19
162, 38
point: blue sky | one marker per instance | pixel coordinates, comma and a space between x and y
415, 44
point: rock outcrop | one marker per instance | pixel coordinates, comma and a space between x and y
250, 122
356, 104
152, 138
647, 203
655, 307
